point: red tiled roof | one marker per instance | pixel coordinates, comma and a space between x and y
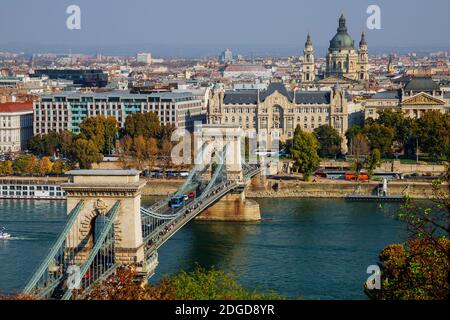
16, 106
243, 67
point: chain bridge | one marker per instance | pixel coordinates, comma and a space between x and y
108, 228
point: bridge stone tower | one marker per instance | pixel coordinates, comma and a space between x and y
233, 206
100, 190
218, 136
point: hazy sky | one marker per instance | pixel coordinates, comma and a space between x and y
212, 24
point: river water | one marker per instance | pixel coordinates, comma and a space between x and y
303, 248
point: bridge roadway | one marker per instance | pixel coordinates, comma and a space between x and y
154, 240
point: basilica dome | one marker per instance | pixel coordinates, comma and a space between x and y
342, 40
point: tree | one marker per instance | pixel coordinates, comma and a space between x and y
142, 124
421, 270
413, 272
93, 129
6, 167
359, 149
165, 132
44, 166
434, 134
85, 152
58, 167
45, 145
402, 125
373, 161
351, 133
125, 152
304, 152
151, 151
25, 164
166, 149
329, 139
380, 137
31, 167
139, 151
20, 163
111, 130
199, 284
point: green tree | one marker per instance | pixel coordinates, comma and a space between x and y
111, 129
330, 141
142, 124
434, 134
351, 133
24, 164
93, 129
85, 153
199, 284
373, 161
380, 137
304, 152
405, 130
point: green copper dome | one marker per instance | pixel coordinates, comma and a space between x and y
342, 40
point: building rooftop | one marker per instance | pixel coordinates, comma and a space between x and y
276, 86
394, 94
244, 67
16, 106
422, 84
103, 172
121, 94
241, 97
312, 97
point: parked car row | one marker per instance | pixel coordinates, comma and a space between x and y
164, 174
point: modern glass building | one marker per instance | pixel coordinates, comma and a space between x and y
81, 77
65, 111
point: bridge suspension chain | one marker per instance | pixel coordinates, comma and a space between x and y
52, 269
100, 262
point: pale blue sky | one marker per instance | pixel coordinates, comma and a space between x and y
207, 25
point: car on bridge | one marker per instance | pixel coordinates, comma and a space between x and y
177, 201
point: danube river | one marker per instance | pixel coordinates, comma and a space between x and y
303, 248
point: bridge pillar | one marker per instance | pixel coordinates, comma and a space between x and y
232, 207
100, 189
219, 136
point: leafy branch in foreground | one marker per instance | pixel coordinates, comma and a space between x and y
419, 270
199, 284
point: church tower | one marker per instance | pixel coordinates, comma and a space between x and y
391, 67
308, 68
363, 59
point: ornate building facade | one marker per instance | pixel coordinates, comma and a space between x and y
418, 96
343, 60
277, 108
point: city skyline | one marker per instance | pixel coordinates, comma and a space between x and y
250, 28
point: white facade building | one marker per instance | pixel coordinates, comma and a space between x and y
16, 125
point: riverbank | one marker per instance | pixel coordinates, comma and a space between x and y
322, 188
289, 188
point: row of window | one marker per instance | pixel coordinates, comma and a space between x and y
247, 119
277, 110
32, 188
31, 193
